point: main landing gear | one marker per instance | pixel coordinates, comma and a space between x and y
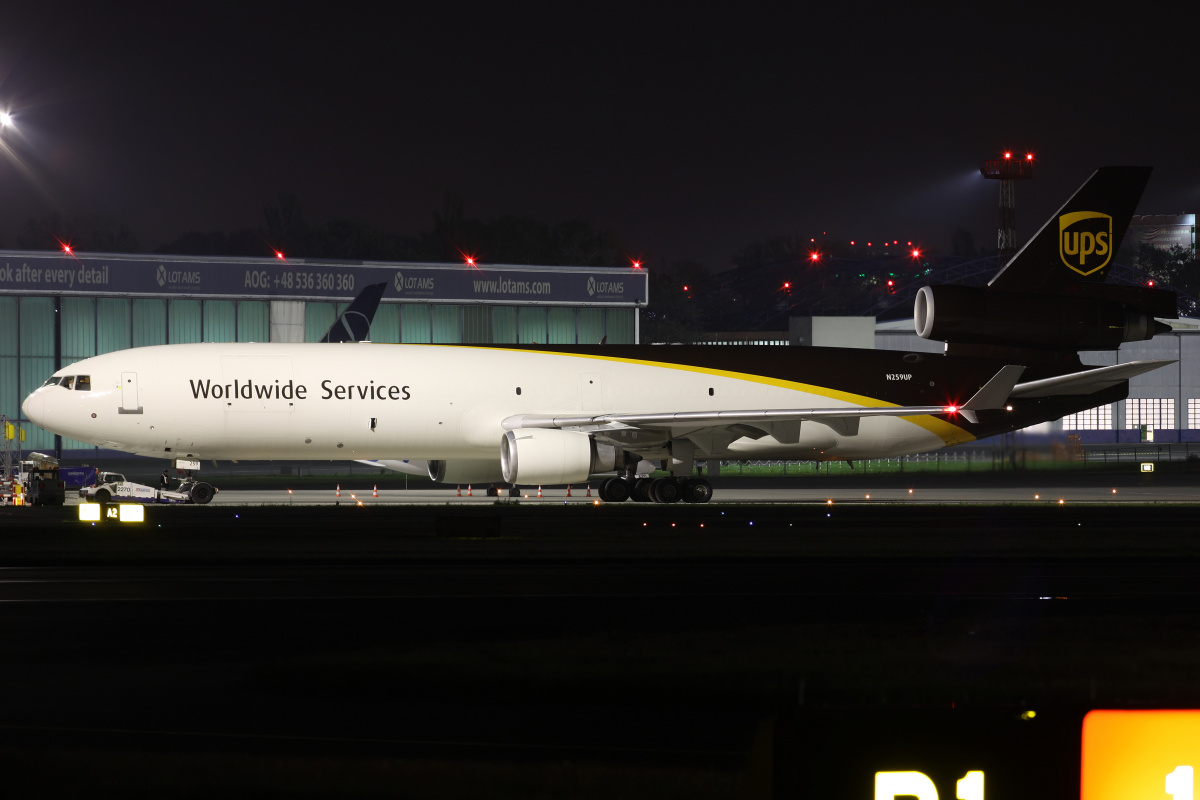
658, 490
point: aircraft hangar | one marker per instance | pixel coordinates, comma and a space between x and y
58, 308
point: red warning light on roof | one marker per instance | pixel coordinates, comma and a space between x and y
787, 285
916, 253
637, 265
814, 257
279, 255
1008, 155
470, 261
66, 248
1029, 156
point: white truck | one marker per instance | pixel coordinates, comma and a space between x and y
113, 486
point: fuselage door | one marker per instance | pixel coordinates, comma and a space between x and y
260, 397
591, 391
129, 394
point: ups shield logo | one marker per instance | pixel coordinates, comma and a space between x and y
1085, 240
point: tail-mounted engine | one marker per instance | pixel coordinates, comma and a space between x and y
1084, 317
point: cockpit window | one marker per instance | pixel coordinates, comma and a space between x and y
83, 383
52, 382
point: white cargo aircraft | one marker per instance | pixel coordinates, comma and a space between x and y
554, 415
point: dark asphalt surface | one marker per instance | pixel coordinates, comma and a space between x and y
571, 655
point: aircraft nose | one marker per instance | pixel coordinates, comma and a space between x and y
34, 408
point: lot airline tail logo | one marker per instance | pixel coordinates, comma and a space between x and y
1085, 241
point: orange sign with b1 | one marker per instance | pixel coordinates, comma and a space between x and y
1140, 754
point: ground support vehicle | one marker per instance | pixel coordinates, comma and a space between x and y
113, 486
39, 481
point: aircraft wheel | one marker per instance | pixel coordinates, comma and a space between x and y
514, 492
602, 492
201, 493
493, 491
617, 490
697, 490
103, 496
665, 490
641, 491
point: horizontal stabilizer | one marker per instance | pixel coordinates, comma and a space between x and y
1088, 381
994, 393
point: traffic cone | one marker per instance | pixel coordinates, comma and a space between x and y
589, 493
459, 487
469, 494
568, 490
338, 493
539, 490
375, 491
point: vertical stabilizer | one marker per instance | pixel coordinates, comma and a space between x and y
354, 324
1079, 241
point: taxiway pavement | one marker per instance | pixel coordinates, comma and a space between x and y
1045, 491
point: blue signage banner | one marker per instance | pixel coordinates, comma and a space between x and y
172, 276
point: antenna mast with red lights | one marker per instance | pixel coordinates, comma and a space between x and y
1007, 170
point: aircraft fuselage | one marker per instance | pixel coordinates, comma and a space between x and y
378, 401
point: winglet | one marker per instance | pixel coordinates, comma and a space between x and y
993, 394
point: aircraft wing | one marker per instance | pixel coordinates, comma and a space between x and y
1088, 381
993, 394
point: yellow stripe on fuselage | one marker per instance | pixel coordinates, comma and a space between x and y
946, 431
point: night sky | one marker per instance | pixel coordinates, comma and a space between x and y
691, 132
